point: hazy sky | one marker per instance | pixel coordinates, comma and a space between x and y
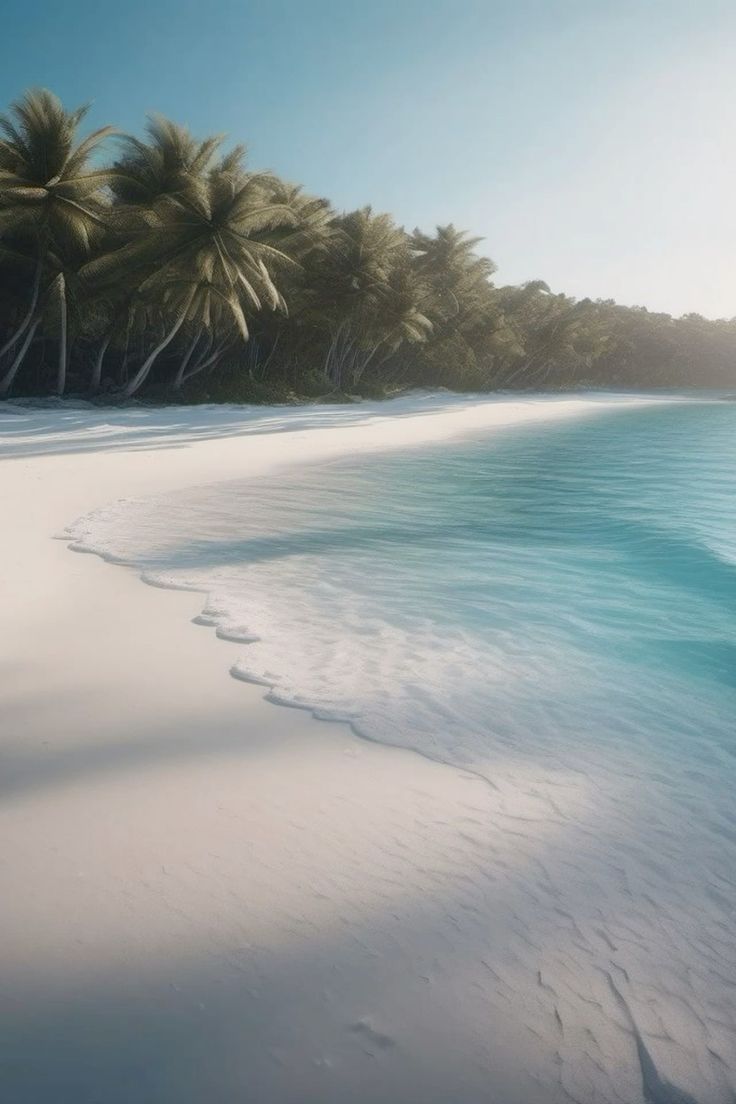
592, 144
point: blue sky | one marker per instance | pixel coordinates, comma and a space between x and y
592, 144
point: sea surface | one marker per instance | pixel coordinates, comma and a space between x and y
552, 609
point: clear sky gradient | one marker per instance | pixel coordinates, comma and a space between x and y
592, 144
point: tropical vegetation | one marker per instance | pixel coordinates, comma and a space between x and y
171, 270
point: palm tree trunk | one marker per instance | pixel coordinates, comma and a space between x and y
335, 356
360, 366
96, 380
179, 378
29, 315
7, 381
269, 358
123, 373
61, 371
142, 373
202, 364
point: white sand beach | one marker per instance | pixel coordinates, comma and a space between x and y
206, 897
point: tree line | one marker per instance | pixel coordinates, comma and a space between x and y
173, 271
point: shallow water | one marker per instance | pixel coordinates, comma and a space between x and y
552, 608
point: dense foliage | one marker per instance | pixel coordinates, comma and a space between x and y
175, 271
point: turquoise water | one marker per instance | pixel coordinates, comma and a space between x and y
552, 608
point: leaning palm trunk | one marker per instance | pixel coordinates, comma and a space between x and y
362, 362
180, 375
206, 362
265, 364
96, 379
7, 381
61, 371
29, 314
339, 354
536, 361
527, 369
142, 374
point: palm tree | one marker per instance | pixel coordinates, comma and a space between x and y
455, 276
351, 286
51, 207
207, 256
460, 302
399, 320
311, 228
450, 251
177, 255
171, 163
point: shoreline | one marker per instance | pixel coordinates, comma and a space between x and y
207, 896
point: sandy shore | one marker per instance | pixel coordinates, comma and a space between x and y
206, 897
